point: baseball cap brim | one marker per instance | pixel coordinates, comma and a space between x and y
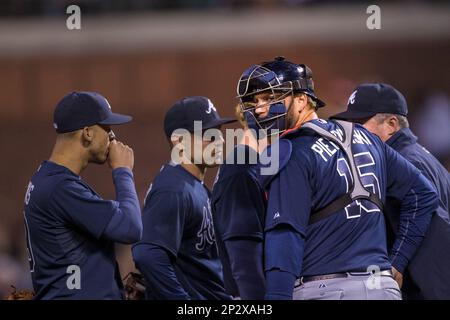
116, 118
218, 122
353, 115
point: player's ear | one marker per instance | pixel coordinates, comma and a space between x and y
391, 125
302, 100
87, 134
392, 122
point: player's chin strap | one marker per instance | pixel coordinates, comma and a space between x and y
357, 190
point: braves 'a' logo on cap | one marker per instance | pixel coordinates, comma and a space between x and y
351, 99
210, 107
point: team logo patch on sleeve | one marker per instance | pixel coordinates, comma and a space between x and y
206, 232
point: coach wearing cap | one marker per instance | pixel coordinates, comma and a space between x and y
382, 109
178, 254
71, 230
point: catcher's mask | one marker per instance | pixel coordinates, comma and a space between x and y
280, 78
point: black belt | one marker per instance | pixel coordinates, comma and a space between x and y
342, 275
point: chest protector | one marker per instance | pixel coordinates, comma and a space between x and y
356, 191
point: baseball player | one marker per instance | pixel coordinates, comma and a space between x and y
70, 229
383, 110
238, 197
324, 227
238, 204
177, 254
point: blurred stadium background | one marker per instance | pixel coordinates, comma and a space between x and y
143, 55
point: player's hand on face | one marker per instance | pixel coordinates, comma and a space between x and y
398, 277
120, 155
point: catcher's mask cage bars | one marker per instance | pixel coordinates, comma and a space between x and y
274, 87
250, 107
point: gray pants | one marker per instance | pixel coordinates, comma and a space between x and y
354, 287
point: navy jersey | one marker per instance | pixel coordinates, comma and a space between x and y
65, 220
425, 280
177, 217
238, 205
354, 238
405, 143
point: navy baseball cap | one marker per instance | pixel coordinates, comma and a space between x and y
187, 110
81, 109
369, 99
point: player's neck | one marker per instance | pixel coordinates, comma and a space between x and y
66, 156
310, 115
197, 171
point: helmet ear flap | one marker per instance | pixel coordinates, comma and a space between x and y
308, 71
307, 76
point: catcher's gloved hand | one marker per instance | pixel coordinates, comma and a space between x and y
20, 295
134, 286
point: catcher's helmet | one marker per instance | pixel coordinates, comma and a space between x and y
280, 77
